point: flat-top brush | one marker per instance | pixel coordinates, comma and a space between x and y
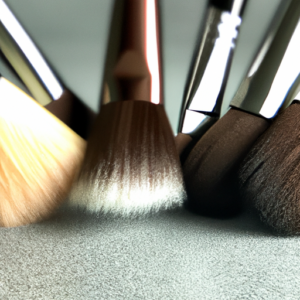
131, 164
210, 67
210, 171
32, 68
39, 158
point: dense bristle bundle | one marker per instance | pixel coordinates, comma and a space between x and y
131, 165
210, 171
270, 173
39, 159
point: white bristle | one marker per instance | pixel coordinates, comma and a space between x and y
131, 166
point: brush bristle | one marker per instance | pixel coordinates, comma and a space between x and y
210, 171
39, 159
131, 165
269, 174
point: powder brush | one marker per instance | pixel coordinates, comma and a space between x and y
131, 165
39, 158
204, 92
210, 170
33, 69
269, 175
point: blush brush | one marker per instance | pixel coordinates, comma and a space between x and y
39, 158
39, 155
131, 165
38, 77
210, 67
210, 171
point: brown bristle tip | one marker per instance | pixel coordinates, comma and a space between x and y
131, 165
39, 159
269, 175
210, 170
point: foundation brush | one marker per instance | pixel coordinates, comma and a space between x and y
210, 67
37, 75
131, 165
39, 158
211, 169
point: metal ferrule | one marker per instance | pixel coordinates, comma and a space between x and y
210, 68
133, 60
26, 59
273, 79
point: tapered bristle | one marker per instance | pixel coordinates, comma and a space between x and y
269, 174
131, 165
210, 171
39, 158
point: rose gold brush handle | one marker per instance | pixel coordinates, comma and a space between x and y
33, 69
133, 64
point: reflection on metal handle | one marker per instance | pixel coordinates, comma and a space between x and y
133, 66
210, 69
272, 80
26, 59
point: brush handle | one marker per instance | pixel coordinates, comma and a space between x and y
275, 70
210, 67
32, 68
26, 59
133, 63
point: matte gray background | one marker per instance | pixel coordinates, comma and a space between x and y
171, 255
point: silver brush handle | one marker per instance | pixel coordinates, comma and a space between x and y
272, 81
210, 68
26, 59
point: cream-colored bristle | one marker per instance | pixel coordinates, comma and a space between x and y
131, 165
39, 158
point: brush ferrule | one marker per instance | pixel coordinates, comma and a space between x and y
196, 123
205, 88
25, 58
133, 63
273, 78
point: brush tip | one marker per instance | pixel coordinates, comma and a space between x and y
40, 157
131, 165
269, 175
210, 171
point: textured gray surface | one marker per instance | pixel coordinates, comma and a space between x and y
173, 255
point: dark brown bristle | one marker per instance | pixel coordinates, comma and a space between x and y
182, 141
131, 164
210, 171
270, 174
73, 112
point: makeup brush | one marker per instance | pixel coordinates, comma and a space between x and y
131, 165
210, 67
39, 78
269, 175
39, 158
210, 170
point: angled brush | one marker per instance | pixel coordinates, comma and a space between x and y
204, 92
131, 164
39, 158
32, 68
210, 170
